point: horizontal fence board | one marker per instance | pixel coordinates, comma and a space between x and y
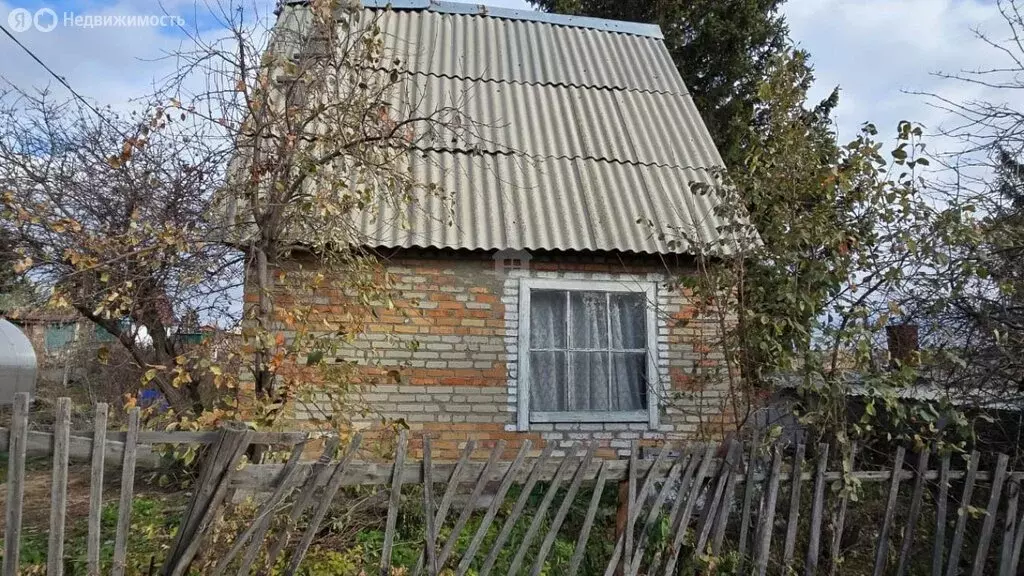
175, 437
80, 448
265, 476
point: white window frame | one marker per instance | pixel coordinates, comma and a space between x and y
649, 415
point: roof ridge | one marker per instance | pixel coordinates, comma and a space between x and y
479, 9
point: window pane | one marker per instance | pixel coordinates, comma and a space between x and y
629, 321
58, 337
589, 324
547, 381
547, 319
629, 381
588, 386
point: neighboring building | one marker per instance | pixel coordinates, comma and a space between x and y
66, 343
53, 333
62, 340
547, 309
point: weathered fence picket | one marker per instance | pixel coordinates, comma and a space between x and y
684, 520
563, 511
1018, 542
953, 565
789, 546
698, 488
396, 496
1009, 528
631, 503
492, 510
709, 515
304, 499
735, 460
764, 538
211, 493
696, 456
124, 506
538, 517
817, 511
478, 490
915, 511
939, 546
588, 521
15, 484
748, 500
59, 488
840, 522
96, 489
259, 526
428, 507
448, 496
882, 548
990, 515
623, 546
325, 503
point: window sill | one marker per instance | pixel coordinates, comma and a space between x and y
638, 416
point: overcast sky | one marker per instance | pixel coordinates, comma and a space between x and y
874, 50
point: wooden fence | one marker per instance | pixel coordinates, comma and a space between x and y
710, 501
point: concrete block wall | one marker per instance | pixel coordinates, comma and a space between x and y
444, 358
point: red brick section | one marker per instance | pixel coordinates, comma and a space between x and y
448, 340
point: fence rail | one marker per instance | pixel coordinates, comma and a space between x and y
772, 512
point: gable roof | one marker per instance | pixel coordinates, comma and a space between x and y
587, 129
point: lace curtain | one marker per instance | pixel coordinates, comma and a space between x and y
587, 351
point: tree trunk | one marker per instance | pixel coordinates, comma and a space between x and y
264, 318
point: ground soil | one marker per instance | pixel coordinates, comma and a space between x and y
38, 485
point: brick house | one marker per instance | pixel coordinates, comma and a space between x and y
547, 308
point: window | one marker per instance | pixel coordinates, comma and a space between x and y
586, 352
59, 337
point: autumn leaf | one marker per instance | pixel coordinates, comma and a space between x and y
23, 265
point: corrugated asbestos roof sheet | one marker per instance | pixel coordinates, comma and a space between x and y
584, 128
494, 49
503, 201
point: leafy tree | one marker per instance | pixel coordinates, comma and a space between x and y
721, 47
979, 328
109, 215
836, 241
250, 181
7, 259
15, 291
